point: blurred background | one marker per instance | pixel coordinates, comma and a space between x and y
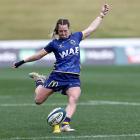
26, 26
35, 19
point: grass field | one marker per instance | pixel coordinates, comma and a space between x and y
109, 107
35, 19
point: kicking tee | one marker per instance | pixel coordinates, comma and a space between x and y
67, 53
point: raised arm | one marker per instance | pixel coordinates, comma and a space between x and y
95, 23
34, 57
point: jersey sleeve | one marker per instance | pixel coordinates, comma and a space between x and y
49, 47
78, 35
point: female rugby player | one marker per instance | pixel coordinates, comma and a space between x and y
65, 75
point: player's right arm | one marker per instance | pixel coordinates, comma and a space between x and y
32, 58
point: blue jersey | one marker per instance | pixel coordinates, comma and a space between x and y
67, 53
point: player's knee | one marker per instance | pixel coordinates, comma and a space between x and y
38, 102
38, 99
76, 96
41, 95
73, 99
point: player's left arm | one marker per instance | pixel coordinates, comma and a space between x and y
95, 23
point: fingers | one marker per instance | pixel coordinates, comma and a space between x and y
106, 6
105, 9
17, 64
14, 66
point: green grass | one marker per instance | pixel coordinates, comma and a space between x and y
20, 117
35, 19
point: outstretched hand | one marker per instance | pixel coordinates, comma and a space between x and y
105, 9
17, 64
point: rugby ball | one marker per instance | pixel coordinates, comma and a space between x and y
56, 116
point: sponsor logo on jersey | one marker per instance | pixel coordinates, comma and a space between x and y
72, 42
71, 51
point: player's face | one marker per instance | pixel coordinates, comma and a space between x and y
63, 31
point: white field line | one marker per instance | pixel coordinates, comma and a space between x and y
73, 137
89, 103
4, 97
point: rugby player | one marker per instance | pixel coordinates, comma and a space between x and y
66, 72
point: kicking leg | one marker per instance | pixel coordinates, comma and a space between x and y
41, 92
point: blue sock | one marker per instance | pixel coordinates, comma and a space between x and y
38, 82
66, 121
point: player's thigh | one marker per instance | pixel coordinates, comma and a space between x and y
43, 93
74, 92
